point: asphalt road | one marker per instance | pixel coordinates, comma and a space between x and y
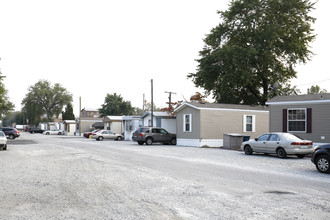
59, 177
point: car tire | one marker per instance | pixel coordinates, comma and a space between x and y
173, 141
140, 142
281, 153
4, 147
59, 133
100, 138
323, 164
47, 133
301, 155
119, 138
11, 137
149, 141
248, 150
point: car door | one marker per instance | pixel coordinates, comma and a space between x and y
260, 144
164, 136
156, 135
111, 135
273, 142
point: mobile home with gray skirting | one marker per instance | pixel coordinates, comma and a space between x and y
204, 124
307, 116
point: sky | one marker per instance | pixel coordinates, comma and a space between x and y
95, 47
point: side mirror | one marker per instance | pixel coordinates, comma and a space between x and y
256, 139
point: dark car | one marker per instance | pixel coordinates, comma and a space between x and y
151, 135
11, 133
35, 130
321, 158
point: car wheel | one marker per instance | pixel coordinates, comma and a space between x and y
47, 133
323, 164
100, 138
248, 150
119, 138
173, 141
5, 147
149, 141
300, 155
281, 153
140, 142
11, 136
59, 133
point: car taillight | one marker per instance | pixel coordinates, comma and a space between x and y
16, 132
141, 135
304, 143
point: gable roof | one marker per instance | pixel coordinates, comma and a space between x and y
220, 106
300, 99
157, 114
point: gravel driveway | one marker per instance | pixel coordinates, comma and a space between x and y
60, 177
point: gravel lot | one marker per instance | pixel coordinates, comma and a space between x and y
60, 177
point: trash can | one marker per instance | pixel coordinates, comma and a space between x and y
232, 141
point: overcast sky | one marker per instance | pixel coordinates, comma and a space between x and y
95, 47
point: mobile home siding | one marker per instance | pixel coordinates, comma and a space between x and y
195, 133
214, 124
320, 120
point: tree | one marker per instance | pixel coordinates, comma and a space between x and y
5, 104
49, 98
316, 90
68, 113
198, 97
257, 45
115, 105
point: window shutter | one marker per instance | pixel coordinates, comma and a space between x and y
285, 120
309, 120
253, 123
244, 123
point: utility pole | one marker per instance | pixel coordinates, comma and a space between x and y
152, 102
170, 98
144, 100
80, 116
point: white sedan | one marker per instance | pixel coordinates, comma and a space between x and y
52, 131
106, 134
279, 143
3, 141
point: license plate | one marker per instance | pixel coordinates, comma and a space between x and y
304, 147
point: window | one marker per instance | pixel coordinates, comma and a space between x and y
274, 137
187, 127
263, 137
249, 123
297, 120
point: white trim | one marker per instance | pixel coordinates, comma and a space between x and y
199, 143
287, 119
298, 102
190, 123
253, 123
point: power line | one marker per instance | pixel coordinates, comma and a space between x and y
307, 84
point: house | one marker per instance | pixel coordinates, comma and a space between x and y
114, 123
88, 118
70, 127
160, 119
130, 123
304, 115
205, 124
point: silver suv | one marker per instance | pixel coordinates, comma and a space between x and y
151, 135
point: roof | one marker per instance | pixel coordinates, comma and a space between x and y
157, 114
113, 118
98, 124
220, 106
131, 117
300, 99
90, 110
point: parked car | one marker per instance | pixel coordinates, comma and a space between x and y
151, 135
35, 130
106, 134
3, 141
321, 158
89, 133
279, 143
53, 131
11, 133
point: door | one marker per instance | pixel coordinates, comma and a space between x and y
273, 142
156, 135
164, 135
260, 144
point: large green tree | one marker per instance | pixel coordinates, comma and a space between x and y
49, 99
256, 46
316, 90
115, 105
68, 113
5, 104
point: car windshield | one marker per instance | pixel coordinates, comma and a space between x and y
2, 134
292, 137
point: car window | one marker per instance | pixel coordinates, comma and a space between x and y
104, 132
274, 137
163, 131
155, 130
143, 130
263, 137
2, 134
110, 132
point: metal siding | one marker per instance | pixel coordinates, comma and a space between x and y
320, 121
195, 134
